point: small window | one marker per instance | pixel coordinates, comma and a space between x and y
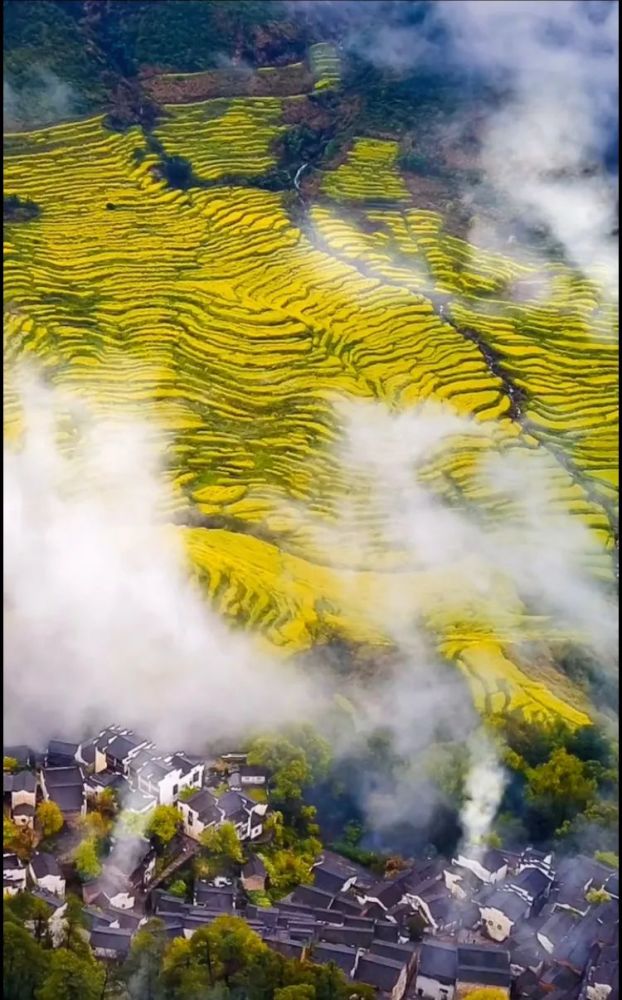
175, 789
499, 928
190, 820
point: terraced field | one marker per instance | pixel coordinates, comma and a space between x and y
240, 333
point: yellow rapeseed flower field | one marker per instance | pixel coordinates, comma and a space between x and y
209, 312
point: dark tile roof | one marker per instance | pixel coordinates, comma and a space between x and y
532, 881
328, 881
254, 866
388, 893
24, 809
60, 777
88, 751
339, 865
48, 897
355, 937
213, 898
557, 926
109, 779
205, 804
120, 747
386, 931
184, 763
438, 961
612, 885
375, 970
308, 895
346, 905
62, 749
163, 901
508, 902
45, 864
284, 945
344, 957
23, 781
390, 949
232, 804
252, 771
116, 939
68, 798
10, 862
351, 921
488, 965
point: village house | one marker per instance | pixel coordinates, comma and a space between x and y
489, 866
91, 756
119, 746
60, 754
254, 874
334, 874
65, 787
20, 797
387, 975
111, 942
574, 877
436, 971
163, 777
13, 874
500, 911
252, 776
45, 873
245, 814
200, 812
482, 966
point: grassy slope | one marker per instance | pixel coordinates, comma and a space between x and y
211, 313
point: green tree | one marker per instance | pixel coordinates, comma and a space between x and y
72, 978
608, 858
223, 847
18, 838
86, 860
142, 970
26, 907
49, 818
10, 765
24, 963
290, 771
559, 789
164, 822
107, 803
178, 888
302, 991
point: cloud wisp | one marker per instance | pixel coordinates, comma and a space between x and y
101, 619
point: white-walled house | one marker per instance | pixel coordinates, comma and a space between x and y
500, 910
45, 873
489, 866
200, 812
13, 874
245, 814
164, 777
20, 794
436, 971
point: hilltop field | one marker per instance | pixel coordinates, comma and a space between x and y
177, 271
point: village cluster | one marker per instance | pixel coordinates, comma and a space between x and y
524, 923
